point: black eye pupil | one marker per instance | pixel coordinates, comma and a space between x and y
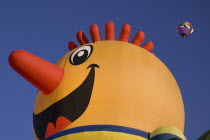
80, 57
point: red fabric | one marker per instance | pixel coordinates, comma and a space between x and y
61, 123
39, 72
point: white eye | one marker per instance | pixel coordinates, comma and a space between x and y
81, 55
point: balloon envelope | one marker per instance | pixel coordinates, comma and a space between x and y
185, 29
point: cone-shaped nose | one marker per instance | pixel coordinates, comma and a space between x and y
39, 72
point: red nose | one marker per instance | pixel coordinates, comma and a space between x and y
39, 72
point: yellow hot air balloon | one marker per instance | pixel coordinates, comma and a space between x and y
105, 90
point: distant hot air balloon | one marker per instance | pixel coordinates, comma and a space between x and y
185, 29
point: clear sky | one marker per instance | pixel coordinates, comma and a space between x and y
44, 28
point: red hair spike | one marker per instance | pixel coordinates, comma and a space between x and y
139, 38
94, 33
148, 46
125, 33
109, 31
110, 35
72, 45
82, 39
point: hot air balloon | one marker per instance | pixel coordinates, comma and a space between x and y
185, 29
105, 90
205, 136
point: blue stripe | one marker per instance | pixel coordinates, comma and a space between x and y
112, 128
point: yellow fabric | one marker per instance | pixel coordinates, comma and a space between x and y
132, 88
100, 135
168, 129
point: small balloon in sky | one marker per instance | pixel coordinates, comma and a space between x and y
185, 29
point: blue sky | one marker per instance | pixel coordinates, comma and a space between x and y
44, 28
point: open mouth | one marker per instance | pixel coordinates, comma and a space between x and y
62, 113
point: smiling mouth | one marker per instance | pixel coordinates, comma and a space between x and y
62, 113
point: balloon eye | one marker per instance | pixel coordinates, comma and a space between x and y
80, 55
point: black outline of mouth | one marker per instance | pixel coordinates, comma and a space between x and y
71, 107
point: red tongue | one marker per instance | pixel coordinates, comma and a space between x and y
61, 123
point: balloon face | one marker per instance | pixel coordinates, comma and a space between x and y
107, 90
109, 85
